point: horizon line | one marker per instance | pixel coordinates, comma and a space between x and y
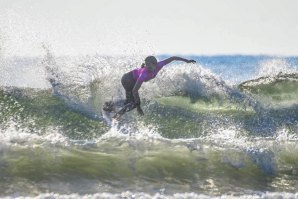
159, 55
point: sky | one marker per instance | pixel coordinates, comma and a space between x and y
197, 27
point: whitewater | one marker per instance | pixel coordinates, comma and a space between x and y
226, 127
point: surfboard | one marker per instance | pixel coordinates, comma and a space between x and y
113, 110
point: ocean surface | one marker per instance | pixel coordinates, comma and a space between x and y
225, 127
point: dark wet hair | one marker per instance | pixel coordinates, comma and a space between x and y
150, 59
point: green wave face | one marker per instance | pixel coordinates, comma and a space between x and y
38, 110
280, 90
173, 117
114, 165
204, 144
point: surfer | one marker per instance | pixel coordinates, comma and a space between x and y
133, 80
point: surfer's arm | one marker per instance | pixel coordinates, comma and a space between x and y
136, 97
135, 92
175, 58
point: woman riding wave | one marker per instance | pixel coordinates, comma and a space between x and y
133, 80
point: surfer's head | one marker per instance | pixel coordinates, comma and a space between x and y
150, 63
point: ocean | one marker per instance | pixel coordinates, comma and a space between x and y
225, 127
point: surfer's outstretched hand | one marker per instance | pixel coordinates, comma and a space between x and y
140, 111
191, 61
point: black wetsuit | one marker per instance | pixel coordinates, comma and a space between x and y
128, 82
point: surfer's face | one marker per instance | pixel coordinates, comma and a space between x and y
150, 66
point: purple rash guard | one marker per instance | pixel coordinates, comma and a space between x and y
144, 75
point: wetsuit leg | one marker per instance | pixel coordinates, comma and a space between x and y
128, 82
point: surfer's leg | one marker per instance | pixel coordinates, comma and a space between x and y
129, 97
128, 82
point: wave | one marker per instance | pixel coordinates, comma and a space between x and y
116, 163
36, 110
281, 90
183, 101
199, 137
161, 194
90, 81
